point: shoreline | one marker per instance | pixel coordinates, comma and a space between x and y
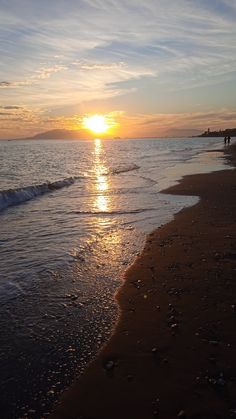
172, 350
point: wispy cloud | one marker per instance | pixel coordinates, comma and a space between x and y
99, 66
14, 84
46, 72
163, 124
42, 73
13, 107
53, 55
5, 84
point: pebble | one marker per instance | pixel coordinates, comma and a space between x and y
181, 414
109, 365
172, 318
221, 382
70, 349
213, 342
50, 393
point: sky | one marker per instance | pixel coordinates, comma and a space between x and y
153, 67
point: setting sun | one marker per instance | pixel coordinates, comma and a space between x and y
96, 123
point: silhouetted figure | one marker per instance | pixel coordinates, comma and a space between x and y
228, 139
225, 140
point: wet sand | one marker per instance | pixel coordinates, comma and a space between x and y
172, 353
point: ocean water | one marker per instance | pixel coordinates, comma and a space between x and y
73, 216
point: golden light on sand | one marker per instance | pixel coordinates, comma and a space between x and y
96, 123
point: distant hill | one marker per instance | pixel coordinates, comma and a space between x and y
229, 131
58, 134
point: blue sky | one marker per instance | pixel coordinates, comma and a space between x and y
169, 62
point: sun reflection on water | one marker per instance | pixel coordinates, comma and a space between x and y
102, 201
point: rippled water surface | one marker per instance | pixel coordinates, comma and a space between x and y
73, 215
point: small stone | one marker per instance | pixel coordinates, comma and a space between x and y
212, 381
172, 319
181, 414
109, 365
50, 393
221, 382
70, 349
213, 342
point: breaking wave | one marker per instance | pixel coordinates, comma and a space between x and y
123, 169
17, 196
134, 211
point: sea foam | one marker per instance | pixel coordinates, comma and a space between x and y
17, 196
123, 169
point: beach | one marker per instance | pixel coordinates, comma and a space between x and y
57, 289
117, 209
172, 353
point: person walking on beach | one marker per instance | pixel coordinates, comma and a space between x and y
228, 139
225, 140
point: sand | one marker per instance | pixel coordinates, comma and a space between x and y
172, 353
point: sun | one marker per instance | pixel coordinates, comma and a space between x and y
96, 123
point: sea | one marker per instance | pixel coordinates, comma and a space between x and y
73, 216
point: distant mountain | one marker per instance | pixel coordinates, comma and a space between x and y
58, 134
226, 132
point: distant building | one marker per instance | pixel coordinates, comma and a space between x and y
221, 133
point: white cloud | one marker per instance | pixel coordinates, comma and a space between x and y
55, 54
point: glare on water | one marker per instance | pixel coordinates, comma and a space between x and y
101, 203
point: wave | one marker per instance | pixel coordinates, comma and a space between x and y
17, 196
123, 169
117, 212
